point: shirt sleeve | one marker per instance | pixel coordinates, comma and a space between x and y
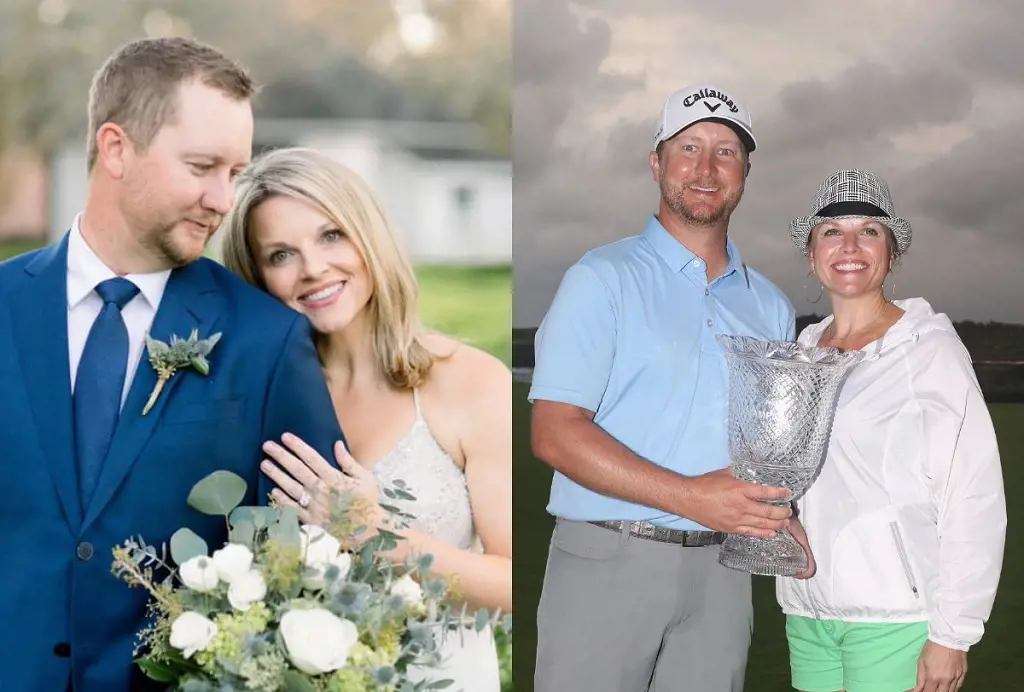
962, 470
575, 343
788, 321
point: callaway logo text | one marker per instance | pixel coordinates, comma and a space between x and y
711, 94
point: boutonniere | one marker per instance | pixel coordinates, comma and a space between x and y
180, 353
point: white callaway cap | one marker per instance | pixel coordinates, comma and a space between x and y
694, 104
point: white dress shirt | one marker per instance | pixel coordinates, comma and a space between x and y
85, 272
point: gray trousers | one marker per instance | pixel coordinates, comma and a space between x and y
625, 614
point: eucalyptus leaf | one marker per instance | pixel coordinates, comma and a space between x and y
262, 516
295, 681
207, 344
388, 541
384, 675
244, 513
244, 533
218, 493
434, 588
286, 528
186, 544
158, 671
259, 517
483, 618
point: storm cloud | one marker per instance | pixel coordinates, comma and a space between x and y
928, 94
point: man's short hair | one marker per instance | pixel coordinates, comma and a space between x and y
137, 87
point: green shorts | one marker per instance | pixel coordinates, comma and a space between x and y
829, 655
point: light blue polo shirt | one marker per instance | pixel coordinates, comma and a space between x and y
630, 335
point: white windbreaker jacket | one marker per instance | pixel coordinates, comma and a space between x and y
907, 519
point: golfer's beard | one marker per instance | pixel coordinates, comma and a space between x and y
703, 214
160, 241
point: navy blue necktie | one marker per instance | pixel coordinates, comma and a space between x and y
99, 383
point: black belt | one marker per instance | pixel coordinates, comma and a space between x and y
662, 534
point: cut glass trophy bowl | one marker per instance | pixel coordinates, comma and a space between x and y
782, 401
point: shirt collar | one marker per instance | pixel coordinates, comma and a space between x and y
677, 256
86, 270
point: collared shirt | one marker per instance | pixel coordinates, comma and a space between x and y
630, 335
86, 271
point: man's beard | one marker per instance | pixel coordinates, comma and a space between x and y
702, 216
161, 242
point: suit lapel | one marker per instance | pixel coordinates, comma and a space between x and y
190, 301
39, 315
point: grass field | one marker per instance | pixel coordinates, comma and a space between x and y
995, 665
472, 303
10, 248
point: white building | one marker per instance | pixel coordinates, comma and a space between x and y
451, 204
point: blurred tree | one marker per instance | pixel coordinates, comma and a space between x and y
456, 53
451, 55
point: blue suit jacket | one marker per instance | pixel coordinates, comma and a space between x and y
63, 612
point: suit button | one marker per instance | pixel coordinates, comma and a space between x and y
63, 650
84, 550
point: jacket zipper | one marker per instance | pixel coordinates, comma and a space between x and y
903, 557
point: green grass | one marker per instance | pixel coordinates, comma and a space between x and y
994, 664
473, 303
10, 248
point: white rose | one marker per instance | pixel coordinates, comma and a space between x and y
408, 589
318, 546
316, 640
246, 590
199, 574
232, 561
191, 632
314, 581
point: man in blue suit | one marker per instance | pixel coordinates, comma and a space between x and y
170, 126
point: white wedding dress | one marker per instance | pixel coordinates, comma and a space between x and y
442, 510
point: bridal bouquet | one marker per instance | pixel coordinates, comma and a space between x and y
284, 607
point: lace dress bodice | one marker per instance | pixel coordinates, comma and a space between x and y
441, 508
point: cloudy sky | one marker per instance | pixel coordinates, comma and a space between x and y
929, 93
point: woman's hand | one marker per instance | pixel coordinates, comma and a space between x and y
796, 529
306, 481
940, 669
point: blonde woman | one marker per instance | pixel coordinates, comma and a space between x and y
907, 521
418, 407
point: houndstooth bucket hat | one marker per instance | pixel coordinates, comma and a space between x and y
849, 194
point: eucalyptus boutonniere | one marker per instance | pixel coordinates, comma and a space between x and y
180, 353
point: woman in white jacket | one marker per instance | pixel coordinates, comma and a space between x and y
907, 519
